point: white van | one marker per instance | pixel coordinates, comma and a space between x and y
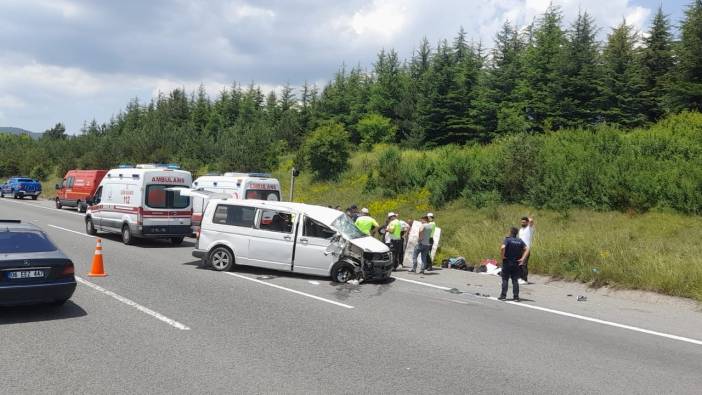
136, 202
235, 185
292, 237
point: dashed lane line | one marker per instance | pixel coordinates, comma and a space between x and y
55, 210
573, 315
134, 304
72, 231
346, 306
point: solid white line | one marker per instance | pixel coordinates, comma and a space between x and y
72, 231
290, 290
137, 306
42, 207
576, 316
421, 283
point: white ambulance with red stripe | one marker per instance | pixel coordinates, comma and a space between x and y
138, 202
260, 186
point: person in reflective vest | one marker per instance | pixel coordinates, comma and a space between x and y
365, 223
430, 216
394, 232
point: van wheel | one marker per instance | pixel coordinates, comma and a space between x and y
82, 207
58, 204
34, 197
127, 237
177, 240
342, 273
221, 259
89, 227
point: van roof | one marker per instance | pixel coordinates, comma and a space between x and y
320, 213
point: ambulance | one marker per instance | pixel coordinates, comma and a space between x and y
260, 186
138, 202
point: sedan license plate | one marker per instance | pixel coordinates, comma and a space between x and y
25, 274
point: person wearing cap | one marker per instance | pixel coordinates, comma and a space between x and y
422, 248
430, 263
393, 232
365, 223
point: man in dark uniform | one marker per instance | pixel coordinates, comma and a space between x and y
513, 252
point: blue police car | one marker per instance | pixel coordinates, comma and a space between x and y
19, 187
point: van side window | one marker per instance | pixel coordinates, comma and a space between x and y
317, 229
276, 221
234, 215
69, 182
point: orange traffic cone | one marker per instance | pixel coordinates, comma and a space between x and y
98, 270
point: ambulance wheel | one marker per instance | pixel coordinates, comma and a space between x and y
89, 227
34, 197
342, 272
221, 259
177, 240
58, 204
127, 237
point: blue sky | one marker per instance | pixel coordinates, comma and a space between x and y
76, 60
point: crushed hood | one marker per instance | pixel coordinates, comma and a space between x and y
370, 244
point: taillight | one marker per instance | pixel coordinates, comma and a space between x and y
140, 219
197, 233
69, 269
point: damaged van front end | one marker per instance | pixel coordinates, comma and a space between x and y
369, 258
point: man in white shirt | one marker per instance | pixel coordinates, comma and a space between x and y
526, 234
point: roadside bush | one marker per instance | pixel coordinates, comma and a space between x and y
326, 151
374, 129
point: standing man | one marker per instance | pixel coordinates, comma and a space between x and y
513, 252
430, 263
393, 232
423, 247
365, 223
352, 212
526, 233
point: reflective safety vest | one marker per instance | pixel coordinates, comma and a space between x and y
365, 224
395, 229
433, 228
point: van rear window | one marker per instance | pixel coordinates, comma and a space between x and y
158, 197
261, 194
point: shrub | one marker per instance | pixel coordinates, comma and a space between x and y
374, 129
326, 151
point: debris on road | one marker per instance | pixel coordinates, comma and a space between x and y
582, 298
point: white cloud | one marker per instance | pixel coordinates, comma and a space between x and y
383, 19
11, 101
237, 11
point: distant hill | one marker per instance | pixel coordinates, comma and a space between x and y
18, 131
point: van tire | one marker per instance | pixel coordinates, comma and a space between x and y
127, 237
89, 227
82, 207
34, 197
177, 240
58, 204
342, 272
221, 259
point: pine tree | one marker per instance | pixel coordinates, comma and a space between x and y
656, 63
441, 105
385, 91
623, 83
685, 89
541, 65
579, 74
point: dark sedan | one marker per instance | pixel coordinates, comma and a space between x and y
32, 269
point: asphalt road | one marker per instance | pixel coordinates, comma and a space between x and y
159, 323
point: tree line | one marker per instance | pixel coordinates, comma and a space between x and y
543, 77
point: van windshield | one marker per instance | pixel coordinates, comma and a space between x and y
347, 228
158, 197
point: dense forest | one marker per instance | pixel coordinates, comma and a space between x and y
548, 76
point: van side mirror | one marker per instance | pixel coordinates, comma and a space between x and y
57, 186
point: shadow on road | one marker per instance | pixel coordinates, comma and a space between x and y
38, 313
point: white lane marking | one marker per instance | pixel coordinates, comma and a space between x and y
290, 290
421, 283
576, 316
72, 231
137, 306
45, 208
